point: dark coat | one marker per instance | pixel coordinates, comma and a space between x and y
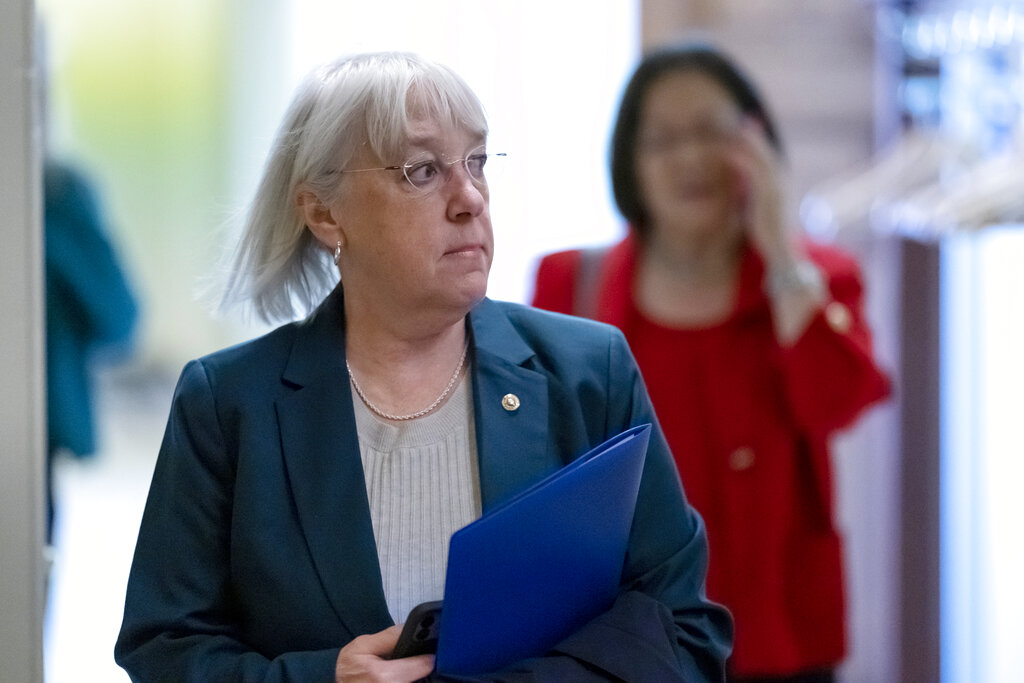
89, 306
256, 557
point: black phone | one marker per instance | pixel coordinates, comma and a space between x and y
419, 635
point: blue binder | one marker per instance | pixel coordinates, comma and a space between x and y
535, 569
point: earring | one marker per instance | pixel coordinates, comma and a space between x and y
337, 253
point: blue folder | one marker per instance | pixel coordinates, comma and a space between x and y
535, 569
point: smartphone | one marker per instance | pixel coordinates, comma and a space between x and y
419, 635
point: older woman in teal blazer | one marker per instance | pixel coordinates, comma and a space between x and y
309, 480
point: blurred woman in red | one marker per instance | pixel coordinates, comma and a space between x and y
752, 342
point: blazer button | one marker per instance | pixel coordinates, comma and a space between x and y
741, 459
838, 317
510, 402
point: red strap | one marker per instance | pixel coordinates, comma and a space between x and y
584, 302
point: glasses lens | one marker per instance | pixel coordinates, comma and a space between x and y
484, 167
424, 175
475, 162
427, 175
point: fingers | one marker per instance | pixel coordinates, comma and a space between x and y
752, 153
365, 660
761, 190
410, 668
754, 168
370, 669
380, 643
752, 131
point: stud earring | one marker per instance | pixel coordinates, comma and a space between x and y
337, 253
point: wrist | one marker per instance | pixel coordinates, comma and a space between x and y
796, 275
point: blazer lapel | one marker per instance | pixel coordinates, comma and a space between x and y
321, 453
513, 441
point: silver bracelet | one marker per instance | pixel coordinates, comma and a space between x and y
801, 275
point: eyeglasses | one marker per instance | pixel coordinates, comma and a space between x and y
428, 174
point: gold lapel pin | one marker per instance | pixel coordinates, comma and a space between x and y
510, 402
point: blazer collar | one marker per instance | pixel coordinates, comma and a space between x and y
510, 400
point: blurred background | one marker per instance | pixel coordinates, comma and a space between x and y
902, 123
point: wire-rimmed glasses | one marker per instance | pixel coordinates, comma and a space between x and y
427, 174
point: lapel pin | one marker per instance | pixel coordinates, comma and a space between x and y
510, 402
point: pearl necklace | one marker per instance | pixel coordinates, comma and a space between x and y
419, 413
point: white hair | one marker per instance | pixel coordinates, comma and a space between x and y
278, 268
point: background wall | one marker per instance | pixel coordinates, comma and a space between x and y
21, 354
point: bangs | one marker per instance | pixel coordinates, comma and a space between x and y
426, 91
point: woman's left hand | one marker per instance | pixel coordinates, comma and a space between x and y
763, 195
765, 215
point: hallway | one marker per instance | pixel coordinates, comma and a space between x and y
99, 506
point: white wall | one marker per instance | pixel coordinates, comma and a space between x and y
983, 438
21, 365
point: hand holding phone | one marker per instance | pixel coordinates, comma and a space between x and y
419, 634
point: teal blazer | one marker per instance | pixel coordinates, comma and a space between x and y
256, 557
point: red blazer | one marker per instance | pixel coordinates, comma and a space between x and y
748, 423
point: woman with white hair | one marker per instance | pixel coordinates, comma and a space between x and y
309, 480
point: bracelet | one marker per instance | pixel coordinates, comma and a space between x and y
801, 275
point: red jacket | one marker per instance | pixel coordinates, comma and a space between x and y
748, 422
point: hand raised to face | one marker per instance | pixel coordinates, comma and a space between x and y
763, 197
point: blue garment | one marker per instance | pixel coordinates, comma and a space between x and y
256, 557
89, 306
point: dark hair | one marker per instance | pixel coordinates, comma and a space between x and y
687, 56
